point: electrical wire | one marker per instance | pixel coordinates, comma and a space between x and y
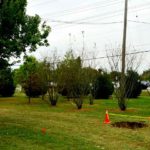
62, 23
113, 13
82, 9
137, 52
94, 23
143, 22
88, 23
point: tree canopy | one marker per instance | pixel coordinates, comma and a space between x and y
19, 32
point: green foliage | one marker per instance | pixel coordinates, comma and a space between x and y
89, 76
32, 86
72, 79
30, 77
69, 75
146, 75
133, 85
3, 63
115, 76
103, 87
7, 87
18, 31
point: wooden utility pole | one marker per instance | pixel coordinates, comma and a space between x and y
122, 102
70, 43
124, 37
83, 43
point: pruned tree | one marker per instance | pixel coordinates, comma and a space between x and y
72, 79
132, 63
90, 75
51, 76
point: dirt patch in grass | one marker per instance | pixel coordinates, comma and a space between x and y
129, 125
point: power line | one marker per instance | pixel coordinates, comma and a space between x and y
143, 22
82, 9
94, 23
77, 22
104, 57
44, 3
103, 15
113, 13
89, 23
79, 7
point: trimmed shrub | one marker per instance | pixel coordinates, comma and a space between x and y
33, 86
7, 87
103, 87
133, 85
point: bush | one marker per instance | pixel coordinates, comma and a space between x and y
78, 101
53, 97
7, 87
33, 86
133, 86
103, 87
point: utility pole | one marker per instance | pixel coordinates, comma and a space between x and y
70, 43
83, 43
122, 84
82, 40
124, 37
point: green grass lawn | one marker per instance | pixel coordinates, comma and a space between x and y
70, 129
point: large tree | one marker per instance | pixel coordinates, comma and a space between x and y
132, 63
19, 32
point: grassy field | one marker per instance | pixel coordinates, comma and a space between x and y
70, 129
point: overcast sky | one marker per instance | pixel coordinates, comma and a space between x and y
98, 22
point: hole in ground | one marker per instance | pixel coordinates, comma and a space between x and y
129, 125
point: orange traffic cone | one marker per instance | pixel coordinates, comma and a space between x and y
106, 121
